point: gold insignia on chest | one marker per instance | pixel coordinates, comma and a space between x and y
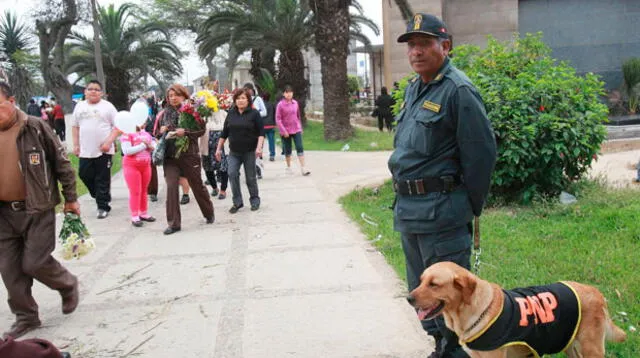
438, 77
431, 106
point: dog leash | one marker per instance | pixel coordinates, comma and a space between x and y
476, 245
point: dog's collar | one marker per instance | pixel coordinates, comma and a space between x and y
477, 322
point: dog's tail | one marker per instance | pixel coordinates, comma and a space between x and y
613, 332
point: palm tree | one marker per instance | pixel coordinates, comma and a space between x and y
405, 9
246, 25
335, 25
15, 44
130, 51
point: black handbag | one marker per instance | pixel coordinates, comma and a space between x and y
157, 157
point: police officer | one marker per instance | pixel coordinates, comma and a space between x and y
444, 155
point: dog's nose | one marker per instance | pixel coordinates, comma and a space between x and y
411, 299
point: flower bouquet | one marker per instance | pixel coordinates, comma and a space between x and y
225, 100
189, 120
75, 238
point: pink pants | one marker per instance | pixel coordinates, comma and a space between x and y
137, 174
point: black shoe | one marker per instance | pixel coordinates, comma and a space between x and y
272, 159
234, 209
255, 207
102, 214
171, 230
222, 196
153, 198
214, 192
137, 223
148, 219
207, 182
185, 199
65, 354
259, 176
211, 220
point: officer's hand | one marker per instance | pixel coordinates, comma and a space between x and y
72, 207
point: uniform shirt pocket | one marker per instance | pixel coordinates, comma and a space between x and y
423, 137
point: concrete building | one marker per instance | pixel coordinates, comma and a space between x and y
592, 35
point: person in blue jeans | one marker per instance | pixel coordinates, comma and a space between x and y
290, 127
270, 126
244, 129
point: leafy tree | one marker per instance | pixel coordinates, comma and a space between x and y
353, 83
15, 45
131, 50
548, 122
53, 27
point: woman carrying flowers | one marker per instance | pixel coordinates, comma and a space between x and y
182, 126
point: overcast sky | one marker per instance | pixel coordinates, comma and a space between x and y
193, 67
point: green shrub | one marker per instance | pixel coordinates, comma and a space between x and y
631, 74
353, 83
548, 121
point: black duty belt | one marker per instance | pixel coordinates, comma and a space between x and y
14, 205
422, 186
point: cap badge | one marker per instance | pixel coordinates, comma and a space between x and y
417, 21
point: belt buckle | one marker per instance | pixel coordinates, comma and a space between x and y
17, 205
447, 184
420, 187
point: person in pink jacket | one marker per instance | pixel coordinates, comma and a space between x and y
290, 127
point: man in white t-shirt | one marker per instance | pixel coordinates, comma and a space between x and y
93, 136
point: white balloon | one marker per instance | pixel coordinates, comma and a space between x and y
140, 111
125, 122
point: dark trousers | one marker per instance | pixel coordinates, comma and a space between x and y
152, 189
247, 159
297, 141
61, 128
188, 166
26, 244
422, 251
96, 176
385, 122
270, 134
211, 177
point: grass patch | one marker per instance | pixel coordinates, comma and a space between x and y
116, 165
313, 139
595, 241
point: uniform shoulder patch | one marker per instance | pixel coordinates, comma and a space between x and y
431, 106
34, 158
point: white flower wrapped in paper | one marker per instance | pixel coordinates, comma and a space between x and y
75, 238
76, 247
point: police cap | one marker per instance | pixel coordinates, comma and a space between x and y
425, 24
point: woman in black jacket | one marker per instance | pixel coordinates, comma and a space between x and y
244, 129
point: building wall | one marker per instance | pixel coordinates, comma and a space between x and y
592, 35
470, 21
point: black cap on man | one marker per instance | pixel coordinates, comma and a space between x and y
425, 24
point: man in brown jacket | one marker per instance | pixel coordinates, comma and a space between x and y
31, 170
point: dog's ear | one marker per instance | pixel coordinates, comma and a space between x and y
466, 285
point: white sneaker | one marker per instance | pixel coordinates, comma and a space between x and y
288, 171
304, 172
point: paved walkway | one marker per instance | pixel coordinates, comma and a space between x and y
295, 279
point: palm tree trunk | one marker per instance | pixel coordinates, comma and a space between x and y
291, 72
119, 88
332, 43
96, 43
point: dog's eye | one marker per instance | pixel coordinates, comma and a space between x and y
432, 284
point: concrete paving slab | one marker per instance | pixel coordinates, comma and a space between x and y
282, 236
330, 325
160, 279
207, 242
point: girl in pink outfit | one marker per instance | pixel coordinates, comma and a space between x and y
136, 165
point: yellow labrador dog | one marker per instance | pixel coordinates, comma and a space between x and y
526, 322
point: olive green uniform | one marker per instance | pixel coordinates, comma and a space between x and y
444, 155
